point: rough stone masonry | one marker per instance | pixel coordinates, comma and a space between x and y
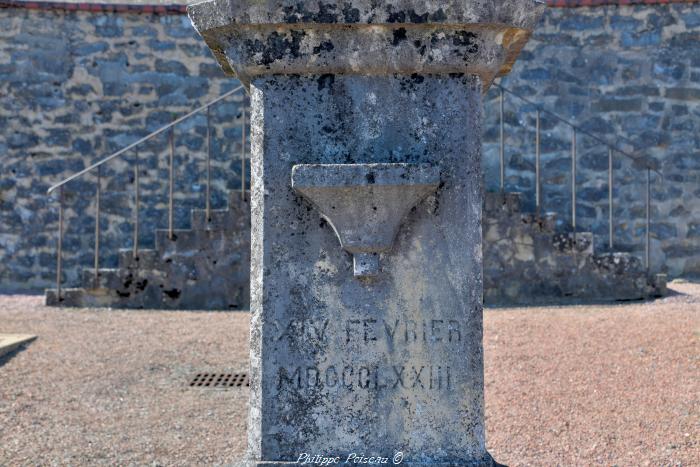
366, 332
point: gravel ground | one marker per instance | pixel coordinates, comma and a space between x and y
590, 385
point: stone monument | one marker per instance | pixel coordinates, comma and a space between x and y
366, 331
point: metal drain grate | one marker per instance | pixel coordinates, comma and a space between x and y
220, 380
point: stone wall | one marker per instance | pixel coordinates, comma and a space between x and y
77, 86
630, 75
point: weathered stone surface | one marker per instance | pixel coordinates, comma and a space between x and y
365, 203
353, 123
303, 280
206, 267
251, 39
526, 261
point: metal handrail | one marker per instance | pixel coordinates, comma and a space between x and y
171, 167
647, 167
579, 129
145, 138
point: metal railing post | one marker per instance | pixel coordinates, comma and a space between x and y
208, 205
538, 194
171, 168
243, 140
648, 223
59, 247
610, 199
137, 202
502, 155
98, 195
573, 182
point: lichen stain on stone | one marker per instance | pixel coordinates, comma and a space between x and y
326, 82
276, 46
399, 35
325, 46
468, 39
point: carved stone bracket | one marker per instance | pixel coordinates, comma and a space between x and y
365, 203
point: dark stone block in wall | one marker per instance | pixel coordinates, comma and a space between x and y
171, 66
19, 140
685, 39
685, 94
581, 22
668, 70
694, 230
144, 30
636, 90
663, 230
59, 166
680, 250
537, 74
657, 106
642, 39
89, 48
625, 23
597, 125
108, 25
634, 124
617, 105
585, 211
210, 70
160, 45
598, 40
592, 195
685, 161
691, 19
58, 137
520, 162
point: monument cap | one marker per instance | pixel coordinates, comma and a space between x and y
366, 37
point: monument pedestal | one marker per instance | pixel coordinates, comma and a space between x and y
366, 330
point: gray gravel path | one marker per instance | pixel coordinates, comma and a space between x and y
602, 385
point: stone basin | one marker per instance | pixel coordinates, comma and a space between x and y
365, 203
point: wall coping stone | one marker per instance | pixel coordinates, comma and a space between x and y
180, 6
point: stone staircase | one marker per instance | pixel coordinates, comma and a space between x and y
204, 267
528, 262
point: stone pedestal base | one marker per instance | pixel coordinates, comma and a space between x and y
390, 462
366, 262
380, 364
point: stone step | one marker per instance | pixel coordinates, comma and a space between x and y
182, 240
198, 242
179, 282
619, 262
497, 203
546, 222
79, 297
219, 219
235, 199
147, 258
106, 278
579, 243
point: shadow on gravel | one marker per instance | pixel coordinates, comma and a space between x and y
6, 357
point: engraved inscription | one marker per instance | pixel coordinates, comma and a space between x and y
407, 331
351, 377
386, 340
370, 330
